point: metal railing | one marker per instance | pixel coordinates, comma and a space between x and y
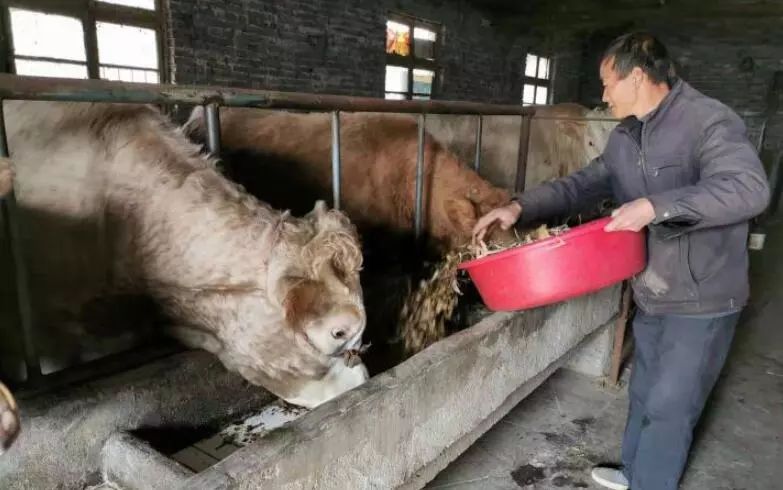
211, 98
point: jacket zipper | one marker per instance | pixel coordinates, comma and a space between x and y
642, 160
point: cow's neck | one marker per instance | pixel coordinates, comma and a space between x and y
198, 231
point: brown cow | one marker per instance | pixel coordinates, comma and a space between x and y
117, 203
287, 161
561, 141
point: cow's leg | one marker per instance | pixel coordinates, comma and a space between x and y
9, 419
9, 412
6, 176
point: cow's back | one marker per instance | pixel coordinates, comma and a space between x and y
72, 160
560, 142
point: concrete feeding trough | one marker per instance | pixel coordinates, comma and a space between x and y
398, 430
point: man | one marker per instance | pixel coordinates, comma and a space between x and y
682, 166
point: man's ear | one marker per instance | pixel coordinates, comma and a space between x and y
637, 75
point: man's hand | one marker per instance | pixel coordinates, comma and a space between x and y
507, 216
632, 216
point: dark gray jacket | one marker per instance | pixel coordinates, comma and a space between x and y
705, 181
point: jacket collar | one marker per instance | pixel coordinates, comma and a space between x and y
627, 122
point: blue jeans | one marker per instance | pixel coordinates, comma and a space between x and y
677, 360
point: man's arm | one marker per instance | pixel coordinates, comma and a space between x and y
732, 186
567, 195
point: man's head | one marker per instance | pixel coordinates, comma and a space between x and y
637, 73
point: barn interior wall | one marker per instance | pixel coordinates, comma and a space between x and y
732, 60
337, 47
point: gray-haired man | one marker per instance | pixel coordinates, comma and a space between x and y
682, 166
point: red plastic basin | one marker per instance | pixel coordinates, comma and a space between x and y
579, 261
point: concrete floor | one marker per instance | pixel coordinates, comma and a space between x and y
553, 438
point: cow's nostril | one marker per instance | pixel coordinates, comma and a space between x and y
338, 334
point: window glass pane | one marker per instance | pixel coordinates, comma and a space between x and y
424, 43
398, 38
393, 96
128, 74
425, 34
543, 68
396, 78
127, 45
50, 69
541, 95
47, 35
530, 65
422, 81
144, 4
528, 93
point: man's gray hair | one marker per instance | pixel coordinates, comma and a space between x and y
644, 50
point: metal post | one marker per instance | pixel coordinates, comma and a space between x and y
524, 143
776, 184
419, 180
620, 325
479, 129
24, 300
336, 168
212, 118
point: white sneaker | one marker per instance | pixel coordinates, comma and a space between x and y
610, 478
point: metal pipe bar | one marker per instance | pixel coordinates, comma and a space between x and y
417, 223
776, 184
23, 296
479, 129
212, 119
57, 89
524, 143
103, 366
574, 118
336, 168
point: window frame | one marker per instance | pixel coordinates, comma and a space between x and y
536, 81
90, 12
411, 62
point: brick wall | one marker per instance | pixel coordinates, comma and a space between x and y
337, 47
710, 57
297, 45
568, 71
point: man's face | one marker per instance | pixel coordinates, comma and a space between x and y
619, 93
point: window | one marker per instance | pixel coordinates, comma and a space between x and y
127, 53
109, 39
142, 4
410, 60
537, 76
47, 44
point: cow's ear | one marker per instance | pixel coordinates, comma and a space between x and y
302, 302
462, 214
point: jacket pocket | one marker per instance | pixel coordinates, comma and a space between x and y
665, 175
690, 286
707, 253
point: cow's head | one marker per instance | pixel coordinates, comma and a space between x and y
319, 286
463, 211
